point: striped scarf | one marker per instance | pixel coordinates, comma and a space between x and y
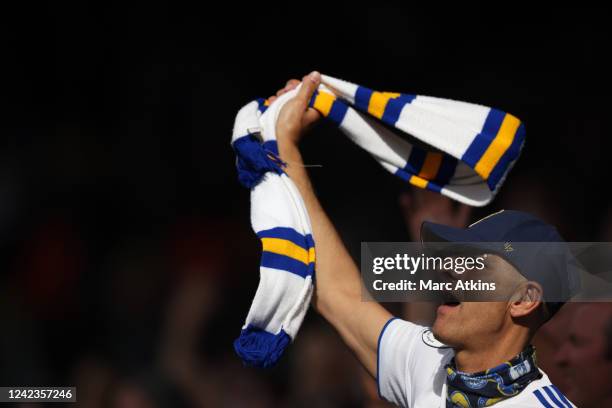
458, 149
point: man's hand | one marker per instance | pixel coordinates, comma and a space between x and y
296, 117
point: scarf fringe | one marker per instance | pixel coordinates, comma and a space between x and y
258, 348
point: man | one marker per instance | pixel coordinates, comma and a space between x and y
585, 356
412, 367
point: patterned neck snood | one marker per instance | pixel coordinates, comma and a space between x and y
489, 387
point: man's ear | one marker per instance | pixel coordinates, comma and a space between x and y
528, 299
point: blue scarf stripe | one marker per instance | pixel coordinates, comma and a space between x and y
286, 263
484, 139
394, 108
313, 98
415, 162
303, 241
310, 270
433, 186
336, 113
282, 261
402, 174
362, 98
447, 170
262, 106
507, 158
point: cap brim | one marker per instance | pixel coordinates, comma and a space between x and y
432, 232
442, 238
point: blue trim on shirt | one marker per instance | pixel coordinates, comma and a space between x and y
541, 398
553, 398
378, 355
561, 396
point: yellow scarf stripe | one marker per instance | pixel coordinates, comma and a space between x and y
378, 103
323, 102
287, 248
418, 181
498, 146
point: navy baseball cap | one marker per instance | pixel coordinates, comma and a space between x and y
534, 247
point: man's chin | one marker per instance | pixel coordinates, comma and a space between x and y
442, 332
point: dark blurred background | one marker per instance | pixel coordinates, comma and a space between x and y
127, 259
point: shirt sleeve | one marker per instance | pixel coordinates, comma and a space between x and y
407, 368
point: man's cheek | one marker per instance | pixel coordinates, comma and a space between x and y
592, 355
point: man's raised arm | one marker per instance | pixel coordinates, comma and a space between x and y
338, 284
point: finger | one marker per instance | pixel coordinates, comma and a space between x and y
271, 99
309, 83
292, 84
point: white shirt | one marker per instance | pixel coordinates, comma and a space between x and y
410, 372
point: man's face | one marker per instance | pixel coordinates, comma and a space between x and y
467, 324
582, 357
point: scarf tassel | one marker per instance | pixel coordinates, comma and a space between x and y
258, 348
254, 160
